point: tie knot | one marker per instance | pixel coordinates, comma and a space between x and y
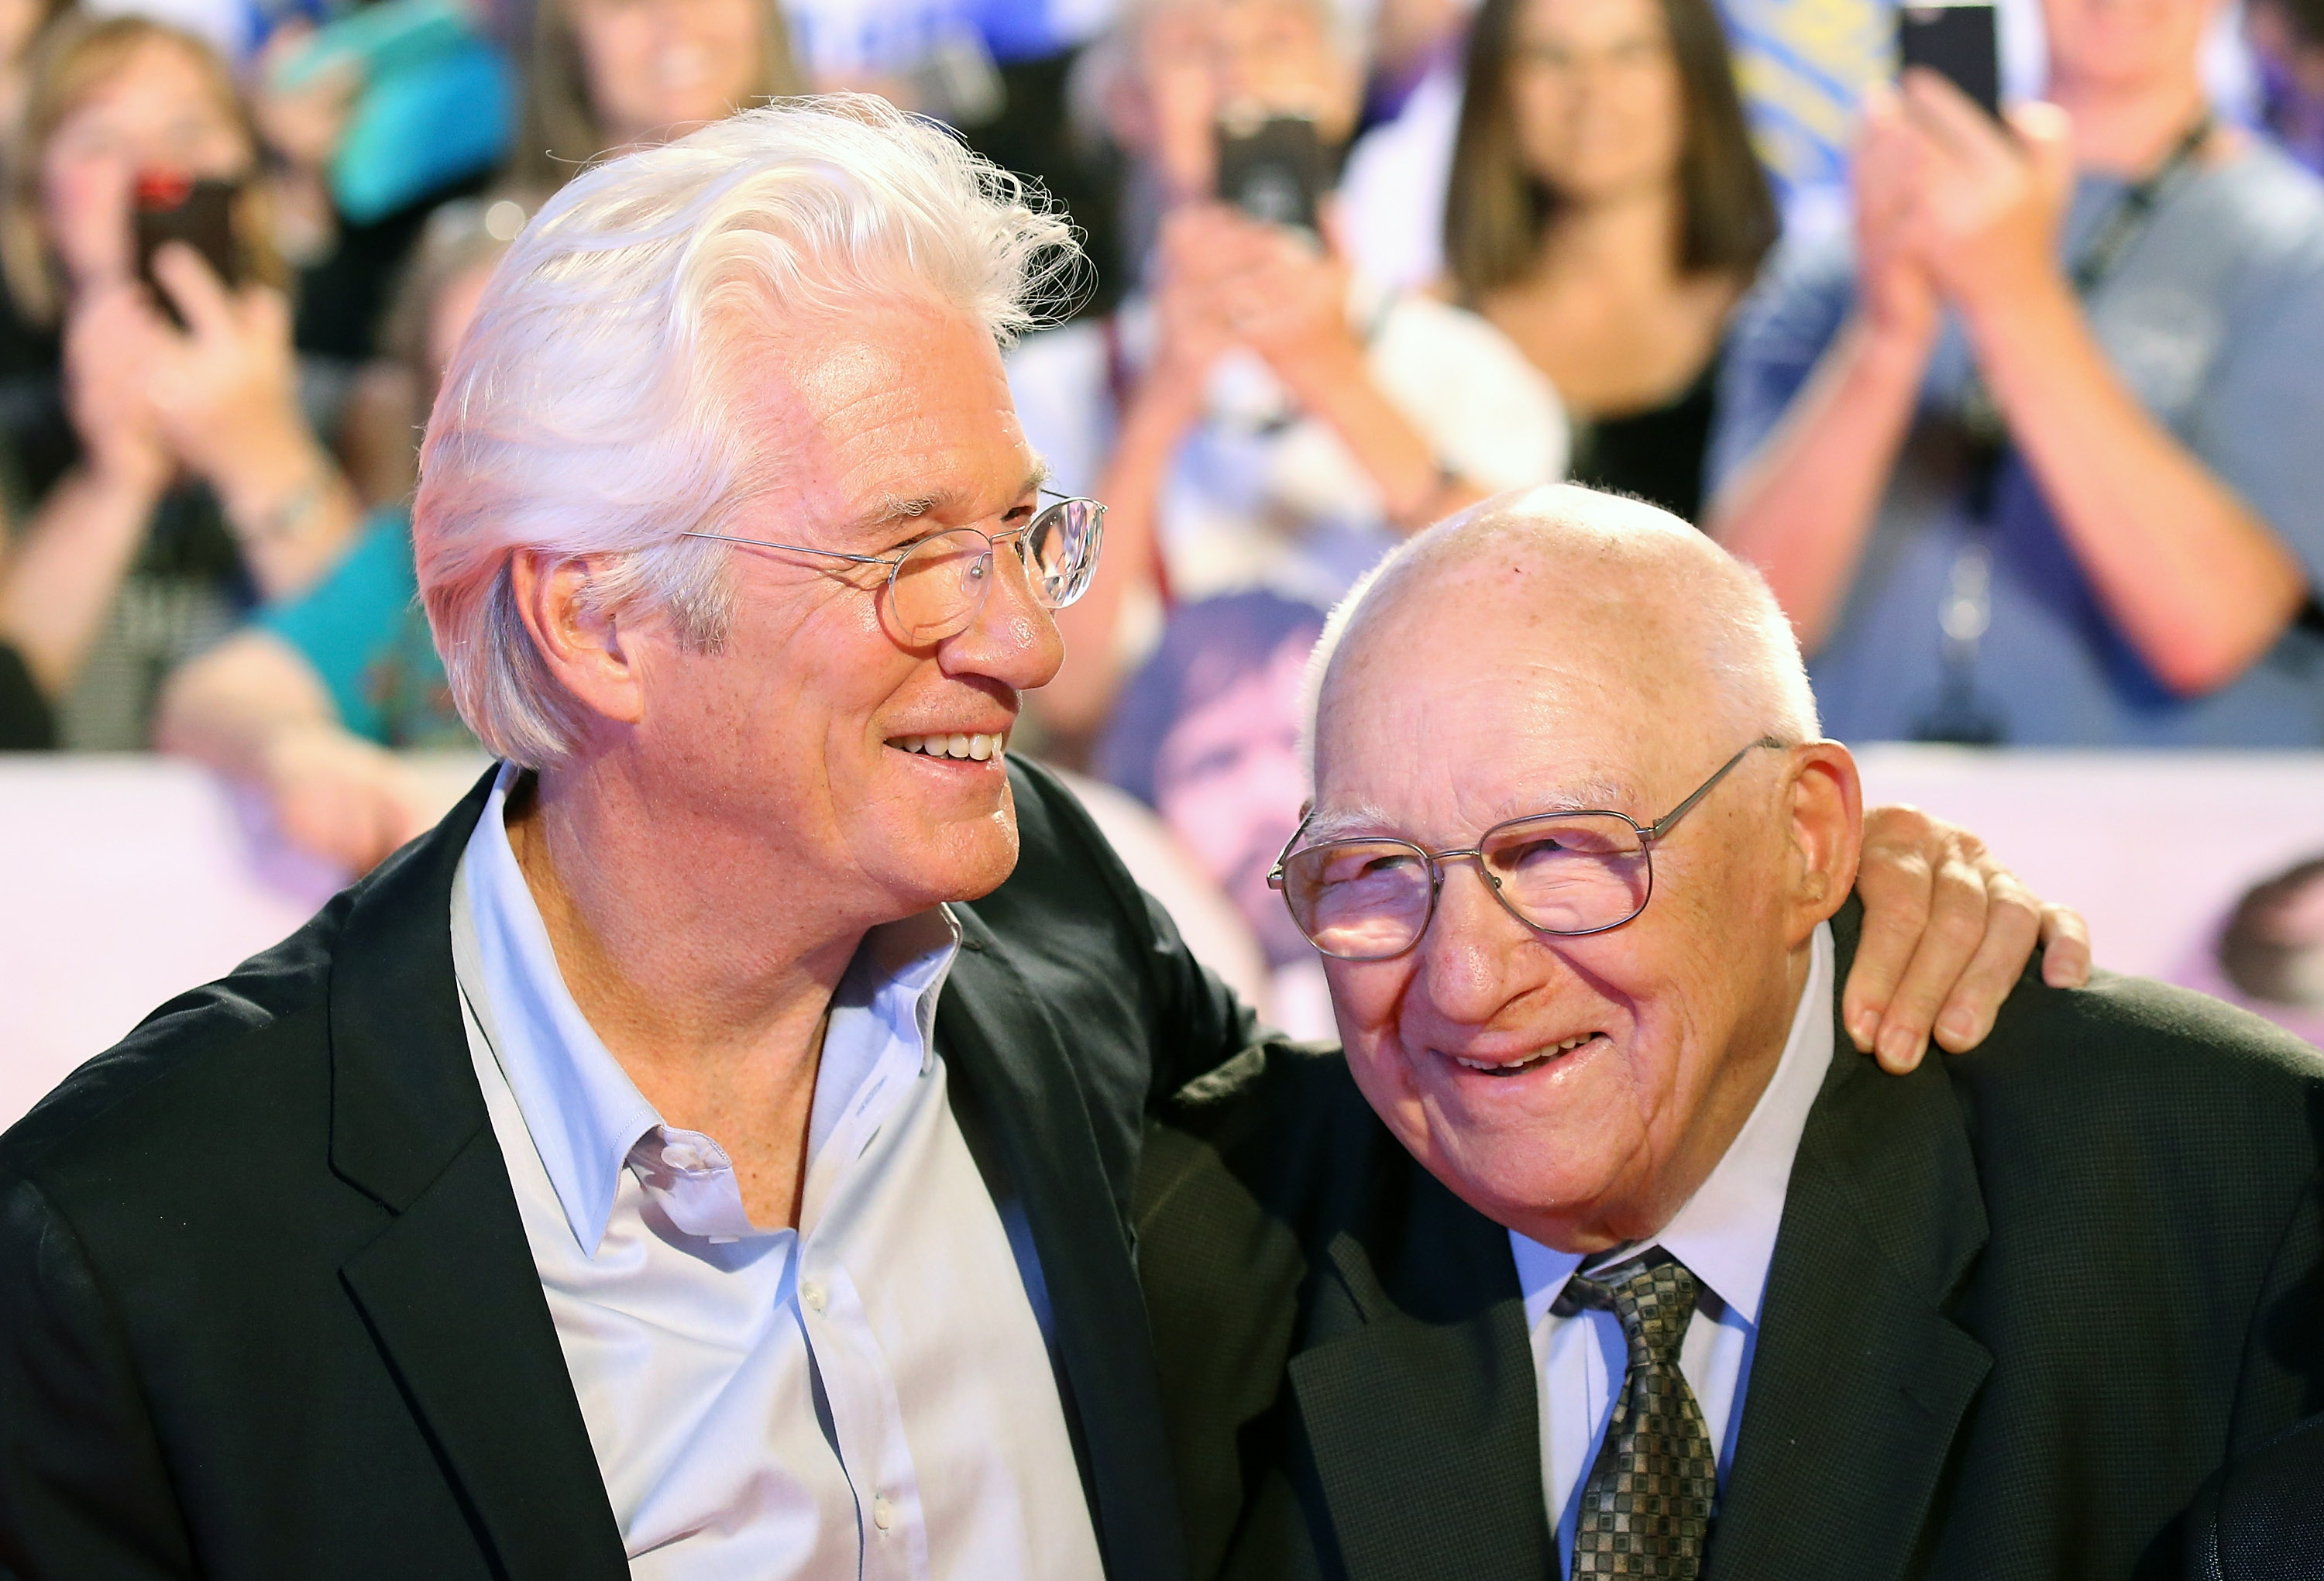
1652, 1299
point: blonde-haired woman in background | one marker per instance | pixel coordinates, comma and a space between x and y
166, 475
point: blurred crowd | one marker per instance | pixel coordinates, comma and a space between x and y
2020, 417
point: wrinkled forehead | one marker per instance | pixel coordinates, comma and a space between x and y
1490, 695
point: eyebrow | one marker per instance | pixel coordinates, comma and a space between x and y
896, 509
1363, 820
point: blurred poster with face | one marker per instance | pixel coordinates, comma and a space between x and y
1207, 734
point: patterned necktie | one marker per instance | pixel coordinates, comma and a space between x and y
1647, 1508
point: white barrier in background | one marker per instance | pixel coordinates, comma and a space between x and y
124, 881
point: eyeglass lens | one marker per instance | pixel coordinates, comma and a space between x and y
1370, 900
940, 583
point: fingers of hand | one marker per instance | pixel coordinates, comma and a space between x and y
2066, 947
1956, 928
1895, 884
1935, 106
201, 298
2013, 922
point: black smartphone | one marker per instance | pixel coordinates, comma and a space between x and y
171, 207
1272, 167
1959, 42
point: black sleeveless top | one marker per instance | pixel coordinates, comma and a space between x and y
1656, 454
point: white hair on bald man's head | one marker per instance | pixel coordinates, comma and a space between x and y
1752, 654
595, 408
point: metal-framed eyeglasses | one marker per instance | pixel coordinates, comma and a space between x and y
936, 585
1568, 874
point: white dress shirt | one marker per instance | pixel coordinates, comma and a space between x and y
1725, 1235
871, 1394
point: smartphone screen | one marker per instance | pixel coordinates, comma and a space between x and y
1959, 42
1272, 169
170, 207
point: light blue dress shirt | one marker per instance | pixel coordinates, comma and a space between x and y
870, 1395
1725, 1236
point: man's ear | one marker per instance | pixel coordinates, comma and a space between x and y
579, 639
1827, 830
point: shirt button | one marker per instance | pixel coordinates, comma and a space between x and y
883, 1513
812, 1294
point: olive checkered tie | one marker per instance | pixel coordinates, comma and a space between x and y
1647, 1508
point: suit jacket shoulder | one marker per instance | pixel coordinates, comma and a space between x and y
2026, 1300
1341, 1340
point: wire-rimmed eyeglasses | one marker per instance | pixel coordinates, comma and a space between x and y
1569, 874
936, 584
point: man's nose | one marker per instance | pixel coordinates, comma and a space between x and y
1476, 956
1012, 639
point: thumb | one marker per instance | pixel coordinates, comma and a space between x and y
2047, 135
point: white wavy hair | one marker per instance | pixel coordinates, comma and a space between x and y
593, 407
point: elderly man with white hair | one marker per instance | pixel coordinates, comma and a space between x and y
1599, 1251
707, 1153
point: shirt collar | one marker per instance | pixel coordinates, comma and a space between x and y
1726, 1233
583, 1113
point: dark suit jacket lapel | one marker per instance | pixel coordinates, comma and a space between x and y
1860, 1381
1424, 1417
449, 1288
1006, 1052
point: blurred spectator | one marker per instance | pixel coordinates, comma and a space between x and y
2287, 42
389, 406
609, 74
1409, 39
1254, 417
1607, 213
26, 722
312, 700
21, 22
2021, 482
1207, 734
2271, 948
177, 481
373, 120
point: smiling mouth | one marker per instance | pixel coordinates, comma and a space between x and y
1530, 1062
967, 748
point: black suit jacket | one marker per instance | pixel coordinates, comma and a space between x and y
2022, 1303
2263, 1519
267, 1309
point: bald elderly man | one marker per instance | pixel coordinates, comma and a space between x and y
1599, 1251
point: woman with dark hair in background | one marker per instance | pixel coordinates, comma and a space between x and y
609, 74
170, 479
1607, 213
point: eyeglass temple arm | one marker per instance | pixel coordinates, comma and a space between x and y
1275, 874
721, 537
1669, 821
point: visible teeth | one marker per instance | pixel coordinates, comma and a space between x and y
1511, 1067
980, 748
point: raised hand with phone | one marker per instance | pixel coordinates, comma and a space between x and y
194, 478
1319, 405
2068, 326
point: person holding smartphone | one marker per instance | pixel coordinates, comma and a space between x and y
171, 478
1253, 416
2032, 458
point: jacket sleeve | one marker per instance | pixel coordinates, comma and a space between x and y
2284, 1352
1200, 1025
1194, 1022
84, 1493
